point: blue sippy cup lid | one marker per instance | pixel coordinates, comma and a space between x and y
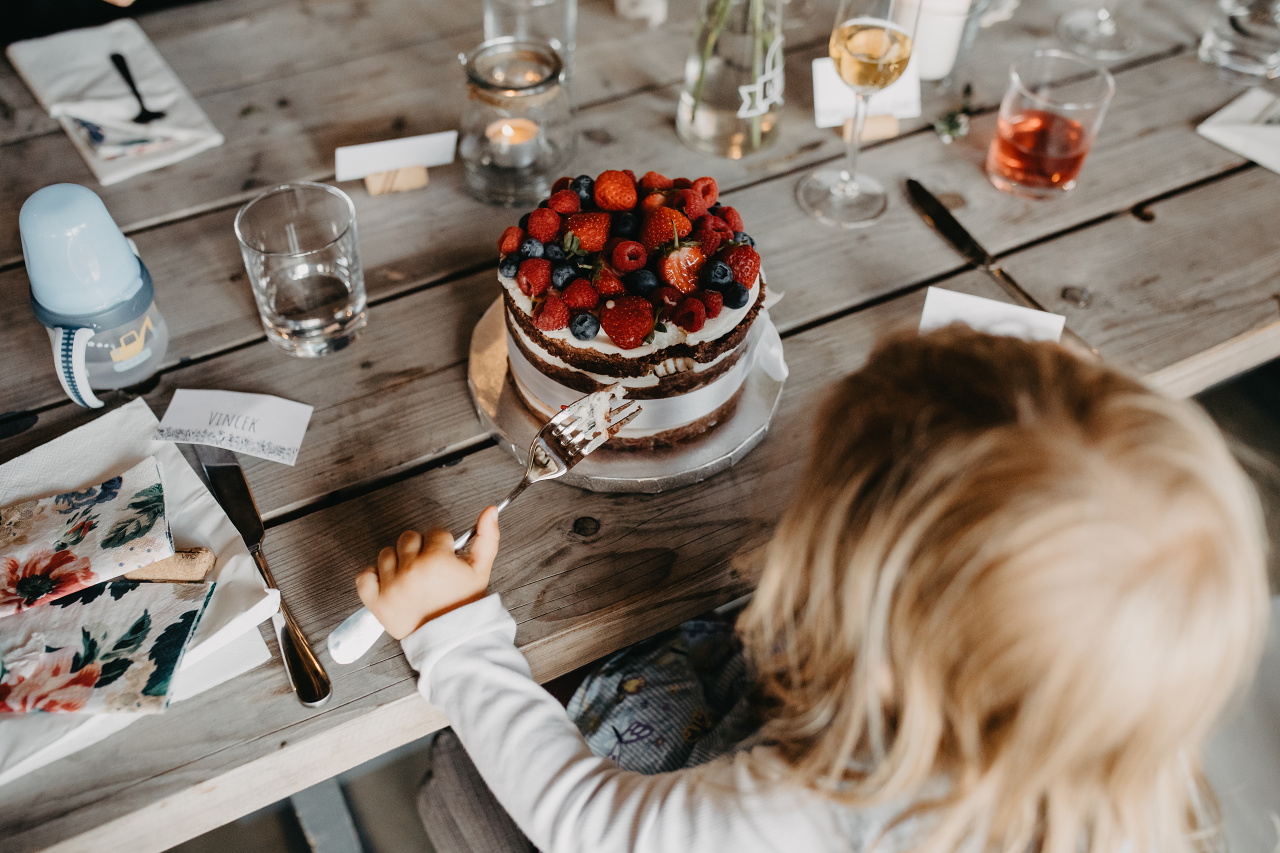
80, 264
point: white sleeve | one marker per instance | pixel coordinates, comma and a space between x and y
561, 795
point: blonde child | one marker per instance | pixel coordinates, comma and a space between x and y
1012, 595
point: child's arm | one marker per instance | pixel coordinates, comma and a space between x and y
530, 753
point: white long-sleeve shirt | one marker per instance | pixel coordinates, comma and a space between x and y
567, 799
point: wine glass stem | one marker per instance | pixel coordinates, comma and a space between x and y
853, 142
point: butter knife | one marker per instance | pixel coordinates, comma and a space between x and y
306, 674
936, 216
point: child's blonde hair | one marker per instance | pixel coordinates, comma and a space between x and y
1019, 572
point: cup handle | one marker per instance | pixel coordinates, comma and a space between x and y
69, 348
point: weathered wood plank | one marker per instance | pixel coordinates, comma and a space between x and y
386, 94
1188, 294
406, 377
1147, 147
654, 561
283, 128
216, 47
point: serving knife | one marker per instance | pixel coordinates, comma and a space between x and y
937, 217
306, 674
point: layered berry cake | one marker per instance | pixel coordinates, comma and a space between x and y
649, 283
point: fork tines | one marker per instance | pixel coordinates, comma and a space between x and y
578, 441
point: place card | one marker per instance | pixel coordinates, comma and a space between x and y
944, 307
430, 149
255, 424
833, 100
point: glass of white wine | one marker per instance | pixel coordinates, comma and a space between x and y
871, 46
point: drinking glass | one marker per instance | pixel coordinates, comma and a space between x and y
554, 22
299, 246
1048, 120
1094, 31
1243, 41
871, 46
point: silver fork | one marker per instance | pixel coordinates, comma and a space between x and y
566, 439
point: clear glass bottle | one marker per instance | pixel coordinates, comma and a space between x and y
731, 103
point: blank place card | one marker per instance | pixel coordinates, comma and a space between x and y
833, 98
944, 307
432, 149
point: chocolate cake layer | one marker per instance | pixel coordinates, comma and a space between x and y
623, 366
667, 386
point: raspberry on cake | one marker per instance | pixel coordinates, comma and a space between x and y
643, 284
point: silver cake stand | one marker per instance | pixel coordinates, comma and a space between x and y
606, 470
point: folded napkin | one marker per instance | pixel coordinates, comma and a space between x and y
226, 641
72, 77
56, 545
113, 647
1249, 126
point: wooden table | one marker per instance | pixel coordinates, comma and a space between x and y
1172, 237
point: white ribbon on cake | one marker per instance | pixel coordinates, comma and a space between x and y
764, 347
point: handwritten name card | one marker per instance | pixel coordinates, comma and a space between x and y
255, 424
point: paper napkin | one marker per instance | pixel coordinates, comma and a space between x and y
225, 642
57, 545
72, 77
1249, 126
113, 647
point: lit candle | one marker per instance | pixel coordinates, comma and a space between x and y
513, 142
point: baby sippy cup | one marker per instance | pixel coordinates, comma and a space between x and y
92, 292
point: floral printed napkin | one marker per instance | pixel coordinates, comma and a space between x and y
55, 546
113, 647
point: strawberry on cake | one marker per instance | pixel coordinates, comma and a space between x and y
651, 284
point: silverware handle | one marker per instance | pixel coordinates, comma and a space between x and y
122, 66
462, 541
1015, 290
306, 673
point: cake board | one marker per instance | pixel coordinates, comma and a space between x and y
692, 461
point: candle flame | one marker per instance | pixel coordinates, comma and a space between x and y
508, 131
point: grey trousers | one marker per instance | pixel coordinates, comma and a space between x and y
457, 809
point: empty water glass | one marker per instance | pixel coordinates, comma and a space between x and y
299, 246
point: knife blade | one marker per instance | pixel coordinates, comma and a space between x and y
306, 674
937, 217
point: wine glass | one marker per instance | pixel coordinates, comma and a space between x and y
871, 46
1094, 31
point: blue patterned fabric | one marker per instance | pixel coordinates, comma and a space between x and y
675, 700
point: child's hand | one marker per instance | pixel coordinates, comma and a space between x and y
419, 580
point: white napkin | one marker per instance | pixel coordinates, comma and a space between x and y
113, 442
1249, 126
72, 77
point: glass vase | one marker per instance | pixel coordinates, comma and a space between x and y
731, 103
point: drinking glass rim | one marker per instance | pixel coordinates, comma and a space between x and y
1085, 64
293, 185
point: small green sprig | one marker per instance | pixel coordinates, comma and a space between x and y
955, 123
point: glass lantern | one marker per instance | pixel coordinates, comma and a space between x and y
517, 132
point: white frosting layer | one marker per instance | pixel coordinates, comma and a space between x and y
724, 323
667, 368
547, 396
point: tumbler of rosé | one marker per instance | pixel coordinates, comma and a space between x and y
1048, 120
